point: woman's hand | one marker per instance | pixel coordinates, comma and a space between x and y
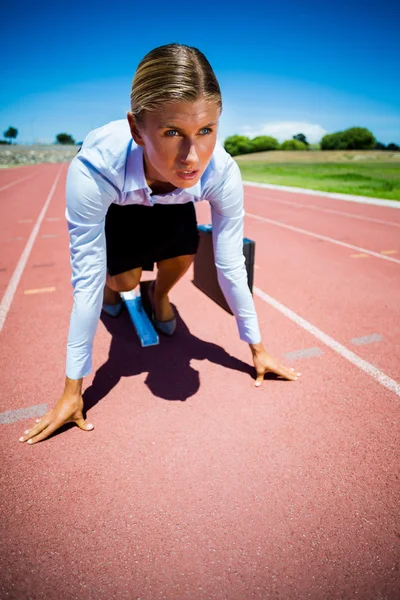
265, 363
67, 410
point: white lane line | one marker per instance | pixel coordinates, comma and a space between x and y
328, 210
367, 339
346, 197
305, 353
14, 281
20, 414
5, 187
323, 237
356, 360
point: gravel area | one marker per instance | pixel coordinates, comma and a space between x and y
11, 155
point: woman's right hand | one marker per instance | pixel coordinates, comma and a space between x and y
67, 410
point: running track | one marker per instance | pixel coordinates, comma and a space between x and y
195, 484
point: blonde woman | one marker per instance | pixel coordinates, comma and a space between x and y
130, 204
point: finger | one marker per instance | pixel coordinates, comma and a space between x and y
82, 424
290, 374
46, 432
259, 379
29, 433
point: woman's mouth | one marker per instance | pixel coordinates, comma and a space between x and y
188, 174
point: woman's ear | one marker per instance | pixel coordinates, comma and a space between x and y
134, 129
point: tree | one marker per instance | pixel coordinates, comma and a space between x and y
293, 145
65, 138
333, 141
238, 144
11, 133
263, 143
301, 138
379, 146
355, 138
393, 147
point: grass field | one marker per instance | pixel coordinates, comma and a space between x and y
365, 173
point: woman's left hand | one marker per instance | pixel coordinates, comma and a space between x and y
265, 363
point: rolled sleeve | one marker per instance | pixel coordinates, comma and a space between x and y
227, 215
88, 196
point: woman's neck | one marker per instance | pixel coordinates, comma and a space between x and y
161, 187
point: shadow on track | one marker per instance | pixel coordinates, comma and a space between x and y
170, 375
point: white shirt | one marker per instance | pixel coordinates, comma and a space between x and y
109, 169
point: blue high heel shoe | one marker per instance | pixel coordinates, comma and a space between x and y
113, 310
147, 291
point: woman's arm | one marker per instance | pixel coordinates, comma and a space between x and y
227, 214
88, 196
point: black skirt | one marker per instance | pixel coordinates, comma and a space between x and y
139, 236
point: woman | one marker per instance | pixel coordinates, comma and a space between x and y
130, 203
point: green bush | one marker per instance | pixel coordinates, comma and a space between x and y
293, 145
263, 143
64, 138
333, 141
355, 138
238, 144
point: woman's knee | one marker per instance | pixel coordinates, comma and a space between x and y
124, 282
181, 262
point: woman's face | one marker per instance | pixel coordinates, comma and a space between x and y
178, 141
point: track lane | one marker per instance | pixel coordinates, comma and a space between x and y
18, 175
190, 468
369, 210
368, 235
321, 209
19, 209
13, 283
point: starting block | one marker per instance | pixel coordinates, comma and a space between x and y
139, 317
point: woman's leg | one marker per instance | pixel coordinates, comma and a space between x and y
170, 271
123, 282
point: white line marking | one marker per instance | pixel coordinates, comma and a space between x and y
328, 210
356, 360
305, 353
44, 290
367, 339
11, 416
323, 237
346, 197
14, 281
5, 187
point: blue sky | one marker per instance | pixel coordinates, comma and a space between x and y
284, 68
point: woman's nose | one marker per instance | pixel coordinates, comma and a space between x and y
190, 157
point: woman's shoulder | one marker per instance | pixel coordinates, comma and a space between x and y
106, 149
221, 169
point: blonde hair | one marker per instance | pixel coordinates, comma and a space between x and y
173, 72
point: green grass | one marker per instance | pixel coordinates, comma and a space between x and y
379, 180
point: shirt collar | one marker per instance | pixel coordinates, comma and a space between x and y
136, 180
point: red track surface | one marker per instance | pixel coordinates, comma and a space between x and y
194, 484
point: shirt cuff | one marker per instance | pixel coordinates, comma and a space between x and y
249, 330
78, 367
